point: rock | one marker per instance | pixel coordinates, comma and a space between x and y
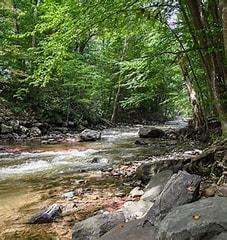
136, 209
6, 129
94, 227
204, 219
136, 192
150, 132
90, 135
210, 191
132, 230
95, 160
146, 170
156, 185
35, 132
48, 215
23, 130
15, 124
222, 236
140, 142
222, 191
182, 188
68, 195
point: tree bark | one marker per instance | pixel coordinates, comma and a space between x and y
213, 61
198, 117
224, 19
119, 84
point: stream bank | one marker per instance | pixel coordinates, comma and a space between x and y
100, 175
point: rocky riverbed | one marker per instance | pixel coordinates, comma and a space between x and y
85, 178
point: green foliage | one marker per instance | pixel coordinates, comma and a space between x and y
67, 58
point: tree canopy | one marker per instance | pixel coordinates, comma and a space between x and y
84, 60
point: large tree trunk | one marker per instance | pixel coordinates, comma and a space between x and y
212, 57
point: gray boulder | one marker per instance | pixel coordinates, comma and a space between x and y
204, 220
156, 185
222, 236
150, 132
136, 209
48, 215
94, 227
147, 170
90, 135
132, 230
182, 188
6, 129
35, 132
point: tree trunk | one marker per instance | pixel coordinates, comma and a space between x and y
224, 105
119, 84
196, 110
213, 61
38, 2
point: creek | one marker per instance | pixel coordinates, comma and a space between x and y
33, 175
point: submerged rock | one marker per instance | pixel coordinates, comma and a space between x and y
204, 219
94, 227
150, 132
48, 215
90, 135
132, 230
140, 142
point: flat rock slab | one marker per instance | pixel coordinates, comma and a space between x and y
156, 185
203, 220
182, 188
94, 227
132, 230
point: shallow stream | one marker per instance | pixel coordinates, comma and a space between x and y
29, 176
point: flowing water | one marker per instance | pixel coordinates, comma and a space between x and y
26, 175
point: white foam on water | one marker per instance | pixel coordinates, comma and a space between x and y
27, 167
50, 155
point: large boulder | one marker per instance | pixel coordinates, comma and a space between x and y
94, 227
48, 215
150, 132
90, 135
205, 220
133, 230
156, 185
182, 188
6, 129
